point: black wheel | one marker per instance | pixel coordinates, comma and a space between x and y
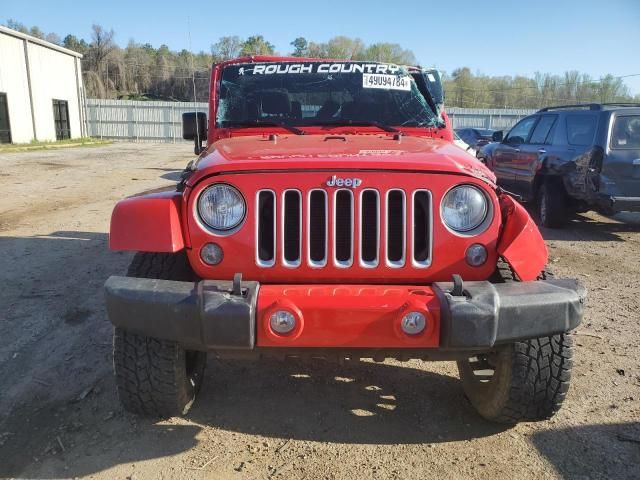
523, 381
552, 204
157, 377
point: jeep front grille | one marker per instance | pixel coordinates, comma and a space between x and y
368, 228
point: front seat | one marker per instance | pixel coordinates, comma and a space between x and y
328, 110
274, 104
296, 110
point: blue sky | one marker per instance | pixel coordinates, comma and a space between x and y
494, 38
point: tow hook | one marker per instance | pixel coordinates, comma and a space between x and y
237, 285
458, 286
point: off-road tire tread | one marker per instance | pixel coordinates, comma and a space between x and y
151, 377
162, 266
540, 379
540, 371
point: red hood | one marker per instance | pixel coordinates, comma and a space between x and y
338, 152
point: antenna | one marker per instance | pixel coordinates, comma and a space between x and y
198, 147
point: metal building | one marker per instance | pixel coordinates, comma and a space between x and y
41, 91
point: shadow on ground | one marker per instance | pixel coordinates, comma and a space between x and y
66, 407
74, 422
170, 173
598, 451
365, 403
595, 228
360, 404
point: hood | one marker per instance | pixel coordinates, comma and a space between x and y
335, 153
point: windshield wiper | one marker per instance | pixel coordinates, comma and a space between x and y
261, 123
358, 123
435, 123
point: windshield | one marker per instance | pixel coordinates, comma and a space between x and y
317, 93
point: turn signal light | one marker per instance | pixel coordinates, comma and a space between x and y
476, 255
211, 254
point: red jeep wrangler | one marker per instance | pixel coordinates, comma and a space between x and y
331, 216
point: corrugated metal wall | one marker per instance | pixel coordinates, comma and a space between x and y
496, 118
53, 77
162, 121
34, 73
138, 121
13, 82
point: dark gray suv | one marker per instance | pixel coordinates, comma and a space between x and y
572, 158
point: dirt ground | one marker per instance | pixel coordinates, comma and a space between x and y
59, 415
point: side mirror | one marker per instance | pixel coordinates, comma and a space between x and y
497, 136
194, 127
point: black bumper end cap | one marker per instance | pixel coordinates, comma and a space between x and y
492, 314
202, 315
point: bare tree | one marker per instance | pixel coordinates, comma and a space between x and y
17, 26
101, 45
53, 38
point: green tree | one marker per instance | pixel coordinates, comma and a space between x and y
301, 47
226, 48
345, 48
72, 43
390, 53
257, 45
36, 32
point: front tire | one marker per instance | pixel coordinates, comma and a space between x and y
157, 377
522, 381
154, 377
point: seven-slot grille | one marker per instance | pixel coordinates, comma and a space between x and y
369, 228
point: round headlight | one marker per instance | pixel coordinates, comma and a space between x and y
464, 208
221, 207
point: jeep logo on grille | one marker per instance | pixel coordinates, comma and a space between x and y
344, 182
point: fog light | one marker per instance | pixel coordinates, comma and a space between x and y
413, 323
282, 321
211, 254
476, 255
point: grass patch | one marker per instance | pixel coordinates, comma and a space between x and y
72, 142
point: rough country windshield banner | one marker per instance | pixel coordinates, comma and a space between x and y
318, 93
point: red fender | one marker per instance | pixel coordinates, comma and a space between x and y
521, 243
148, 223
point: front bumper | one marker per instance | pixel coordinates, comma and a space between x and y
207, 315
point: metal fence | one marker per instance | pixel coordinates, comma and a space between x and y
496, 118
161, 122
137, 121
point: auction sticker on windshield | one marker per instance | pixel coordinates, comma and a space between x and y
387, 82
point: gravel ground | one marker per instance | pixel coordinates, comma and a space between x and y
59, 415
